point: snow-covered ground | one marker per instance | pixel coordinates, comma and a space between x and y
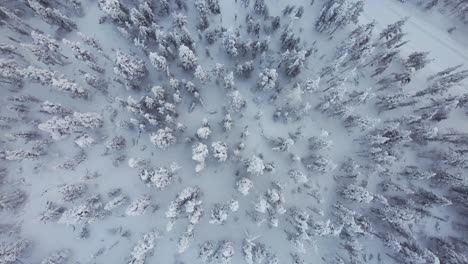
247, 131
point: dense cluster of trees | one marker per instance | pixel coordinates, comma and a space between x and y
404, 171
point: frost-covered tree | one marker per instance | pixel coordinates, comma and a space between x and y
336, 14
204, 131
244, 185
144, 248
231, 42
199, 154
416, 61
13, 252
256, 165
357, 193
267, 79
130, 68
219, 214
293, 62
202, 75
86, 213
58, 257
236, 101
114, 9
72, 192
163, 138
187, 201
60, 128
187, 58
158, 62
45, 48
160, 177
52, 15
139, 206
12, 200
219, 150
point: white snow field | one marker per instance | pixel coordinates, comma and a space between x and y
233, 131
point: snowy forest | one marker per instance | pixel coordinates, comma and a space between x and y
233, 131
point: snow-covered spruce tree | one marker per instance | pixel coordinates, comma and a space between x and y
357, 193
443, 81
84, 55
293, 62
257, 253
72, 192
114, 9
219, 214
60, 128
139, 206
221, 253
244, 185
160, 177
267, 79
90, 211
58, 257
336, 14
187, 58
416, 61
256, 165
219, 150
130, 68
393, 34
144, 248
231, 42
158, 62
199, 154
190, 199
45, 48
13, 251
203, 12
12, 200
163, 138
245, 70
52, 15
204, 131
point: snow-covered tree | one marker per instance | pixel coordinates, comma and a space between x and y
144, 248
139, 206
114, 9
13, 252
256, 166
267, 79
163, 138
52, 15
357, 193
199, 154
130, 68
45, 48
220, 150
58, 257
187, 58
158, 62
231, 42
244, 185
